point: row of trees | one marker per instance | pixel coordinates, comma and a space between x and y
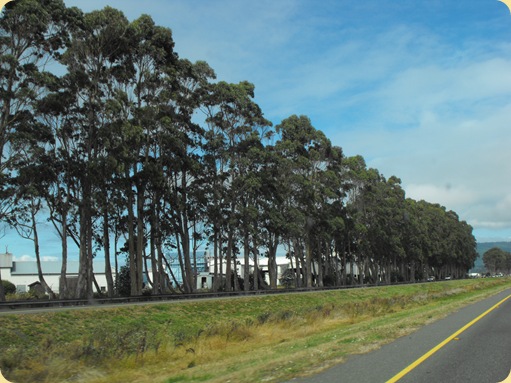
126, 148
497, 261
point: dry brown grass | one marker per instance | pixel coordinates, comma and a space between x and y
304, 335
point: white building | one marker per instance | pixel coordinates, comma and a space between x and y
283, 264
23, 274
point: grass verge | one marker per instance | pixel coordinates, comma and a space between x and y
264, 339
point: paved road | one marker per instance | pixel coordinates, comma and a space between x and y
480, 354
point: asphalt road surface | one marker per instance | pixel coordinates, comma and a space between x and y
479, 354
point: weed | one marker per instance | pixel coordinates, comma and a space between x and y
263, 317
176, 379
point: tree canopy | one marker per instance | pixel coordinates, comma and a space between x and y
497, 261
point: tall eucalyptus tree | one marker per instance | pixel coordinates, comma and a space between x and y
232, 118
305, 151
97, 52
30, 36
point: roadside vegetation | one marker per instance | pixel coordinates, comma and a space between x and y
247, 339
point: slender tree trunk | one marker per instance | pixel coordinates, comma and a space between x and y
195, 270
188, 277
90, 265
174, 279
47, 288
156, 287
256, 267
228, 259
146, 272
96, 284
412, 271
321, 267
63, 288
162, 286
216, 276
81, 285
2, 290
298, 265
131, 239
308, 264
246, 266
140, 239
181, 264
187, 265
106, 245
352, 277
272, 261
116, 257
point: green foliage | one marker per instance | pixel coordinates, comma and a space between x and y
28, 296
497, 260
287, 278
9, 287
123, 282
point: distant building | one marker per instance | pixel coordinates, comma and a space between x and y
23, 274
206, 267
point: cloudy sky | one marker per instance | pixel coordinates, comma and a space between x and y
420, 89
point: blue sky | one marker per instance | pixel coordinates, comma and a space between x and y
420, 89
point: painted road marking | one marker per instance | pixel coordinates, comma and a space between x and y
406, 370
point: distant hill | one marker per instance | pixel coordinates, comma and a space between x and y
483, 248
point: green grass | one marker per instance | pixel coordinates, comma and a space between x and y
270, 338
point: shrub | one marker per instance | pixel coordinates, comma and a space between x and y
288, 278
9, 287
123, 282
28, 296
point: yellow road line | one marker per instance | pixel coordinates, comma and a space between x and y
406, 370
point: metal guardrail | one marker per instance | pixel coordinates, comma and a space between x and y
59, 303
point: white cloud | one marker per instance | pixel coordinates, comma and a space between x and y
446, 195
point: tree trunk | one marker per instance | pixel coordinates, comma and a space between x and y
63, 288
106, 245
90, 265
188, 277
47, 288
81, 285
216, 276
228, 260
256, 268
321, 267
146, 272
2, 290
308, 264
140, 239
235, 273
131, 239
246, 266
174, 279
154, 243
272, 261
